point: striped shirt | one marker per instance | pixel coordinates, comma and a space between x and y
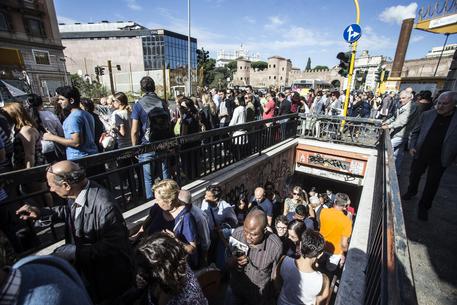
253, 283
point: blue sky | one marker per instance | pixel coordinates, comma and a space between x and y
295, 29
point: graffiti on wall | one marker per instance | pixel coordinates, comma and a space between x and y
278, 170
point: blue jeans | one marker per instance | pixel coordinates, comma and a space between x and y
150, 172
398, 146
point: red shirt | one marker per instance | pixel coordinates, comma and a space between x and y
269, 109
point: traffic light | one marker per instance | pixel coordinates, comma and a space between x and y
99, 70
377, 76
345, 59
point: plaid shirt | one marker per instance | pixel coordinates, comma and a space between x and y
10, 290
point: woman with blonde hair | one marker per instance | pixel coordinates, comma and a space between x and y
170, 215
298, 198
27, 149
208, 113
27, 139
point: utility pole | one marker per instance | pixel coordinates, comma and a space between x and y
164, 76
110, 71
189, 75
131, 77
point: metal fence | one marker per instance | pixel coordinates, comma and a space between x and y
389, 276
337, 129
189, 158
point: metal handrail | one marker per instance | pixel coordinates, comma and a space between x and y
213, 140
389, 272
356, 131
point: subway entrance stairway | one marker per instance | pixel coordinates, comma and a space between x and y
355, 155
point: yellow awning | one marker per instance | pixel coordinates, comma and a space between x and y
440, 25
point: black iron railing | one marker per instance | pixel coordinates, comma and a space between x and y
188, 157
354, 131
389, 276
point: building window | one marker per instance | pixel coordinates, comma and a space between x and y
269, 77
34, 27
241, 78
274, 77
283, 68
3, 22
41, 57
269, 66
281, 78
274, 66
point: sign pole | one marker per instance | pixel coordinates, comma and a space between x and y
351, 66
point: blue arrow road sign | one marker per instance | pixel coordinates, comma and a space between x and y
352, 33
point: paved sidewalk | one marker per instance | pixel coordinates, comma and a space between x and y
433, 244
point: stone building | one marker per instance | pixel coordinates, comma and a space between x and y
31, 52
280, 73
425, 67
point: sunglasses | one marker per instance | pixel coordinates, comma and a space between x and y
296, 193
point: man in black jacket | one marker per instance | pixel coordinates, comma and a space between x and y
95, 232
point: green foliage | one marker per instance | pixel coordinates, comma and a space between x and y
308, 64
260, 65
202, 57
231, 66
92, 91
217, 78
320, 68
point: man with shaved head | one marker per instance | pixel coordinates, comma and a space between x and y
433, 145
401, 124
252, 271
95, 232
263, 202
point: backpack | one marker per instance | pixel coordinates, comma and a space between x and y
159, 121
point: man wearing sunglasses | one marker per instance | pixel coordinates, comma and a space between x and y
95, 232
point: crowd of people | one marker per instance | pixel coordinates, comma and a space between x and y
271, 249
266, 247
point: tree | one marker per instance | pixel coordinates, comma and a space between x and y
259, 65
308, 64
86, 89
232, 66
320, 68
202, 60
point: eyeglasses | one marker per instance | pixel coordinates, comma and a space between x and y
281, 228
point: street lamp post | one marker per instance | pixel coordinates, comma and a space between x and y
189, 75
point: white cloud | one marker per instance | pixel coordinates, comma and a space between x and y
180, 26
374, 41
66, 20
275, 23
417, 38
276, 20
133, 5
249, 19
396, 14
